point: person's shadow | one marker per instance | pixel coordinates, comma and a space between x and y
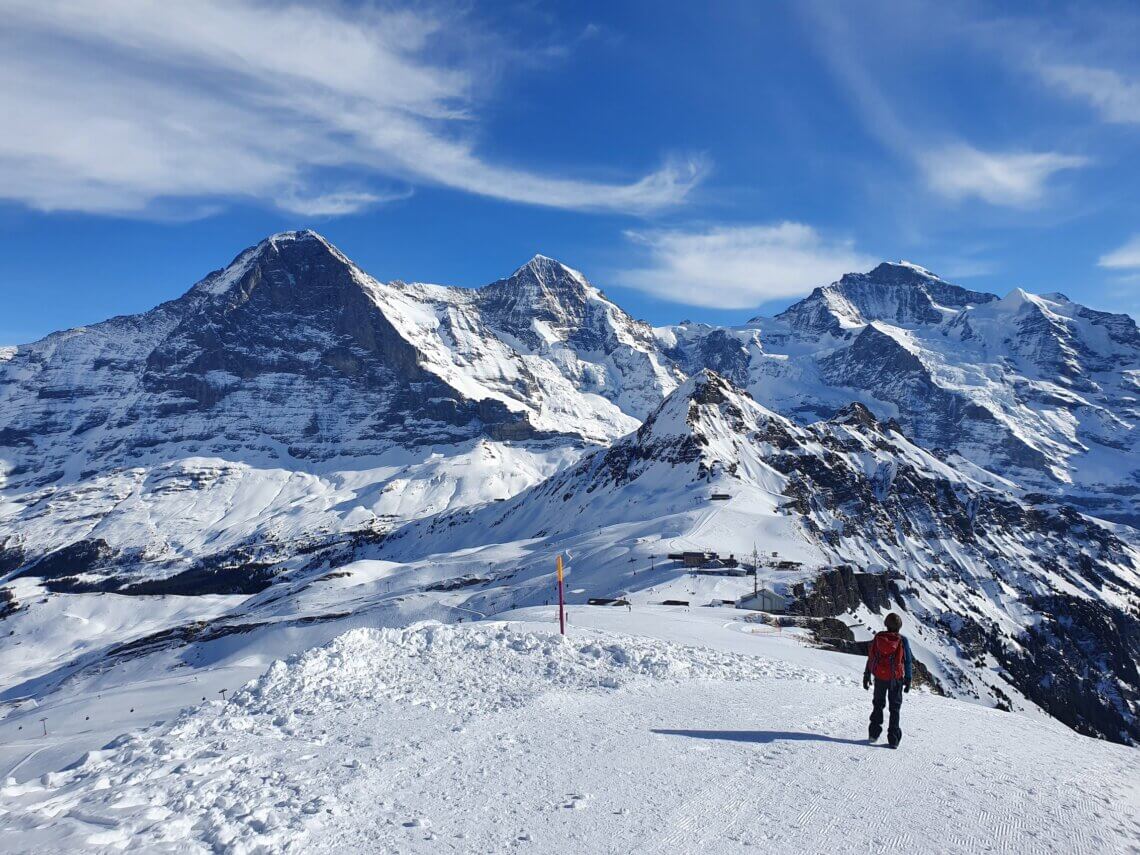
759, 736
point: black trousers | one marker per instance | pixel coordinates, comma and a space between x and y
887, 693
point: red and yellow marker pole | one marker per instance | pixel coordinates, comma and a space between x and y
561, 598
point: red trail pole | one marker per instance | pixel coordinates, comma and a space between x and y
561, 598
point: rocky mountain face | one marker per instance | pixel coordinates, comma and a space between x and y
293, 352
1037, 389
1020, 603
902, 442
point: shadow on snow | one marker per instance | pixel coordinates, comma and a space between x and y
760, 736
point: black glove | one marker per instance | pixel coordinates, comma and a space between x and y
866, 680
906, 686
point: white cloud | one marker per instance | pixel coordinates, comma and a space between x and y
334, 203
1126, 257
1115, 96
119, 106
1001, 178
739, 267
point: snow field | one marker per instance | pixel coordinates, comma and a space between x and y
493, 736
228, 775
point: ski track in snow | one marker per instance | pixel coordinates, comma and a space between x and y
491, 737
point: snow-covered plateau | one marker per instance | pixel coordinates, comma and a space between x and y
277, 569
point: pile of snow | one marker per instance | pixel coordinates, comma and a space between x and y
485, 668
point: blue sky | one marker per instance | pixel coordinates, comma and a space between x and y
695, 162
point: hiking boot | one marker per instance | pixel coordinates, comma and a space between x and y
873, 734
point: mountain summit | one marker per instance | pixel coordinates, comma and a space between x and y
898, 293
293, 251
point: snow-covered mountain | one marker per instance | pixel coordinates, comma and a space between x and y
290, 394
1038, 389
292, 442
1017, 602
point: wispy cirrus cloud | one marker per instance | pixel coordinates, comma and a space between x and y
1123, 263
950, 166
1124, 257
738, 266
1015, 179
120, 106
1114, 95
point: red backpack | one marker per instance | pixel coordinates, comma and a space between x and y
887, 656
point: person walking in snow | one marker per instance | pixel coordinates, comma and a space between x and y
890, 663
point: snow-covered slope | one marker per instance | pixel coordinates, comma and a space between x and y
1016, 601
291, 395
1038, 389
501, 736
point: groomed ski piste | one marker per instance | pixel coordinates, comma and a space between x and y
655, 729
